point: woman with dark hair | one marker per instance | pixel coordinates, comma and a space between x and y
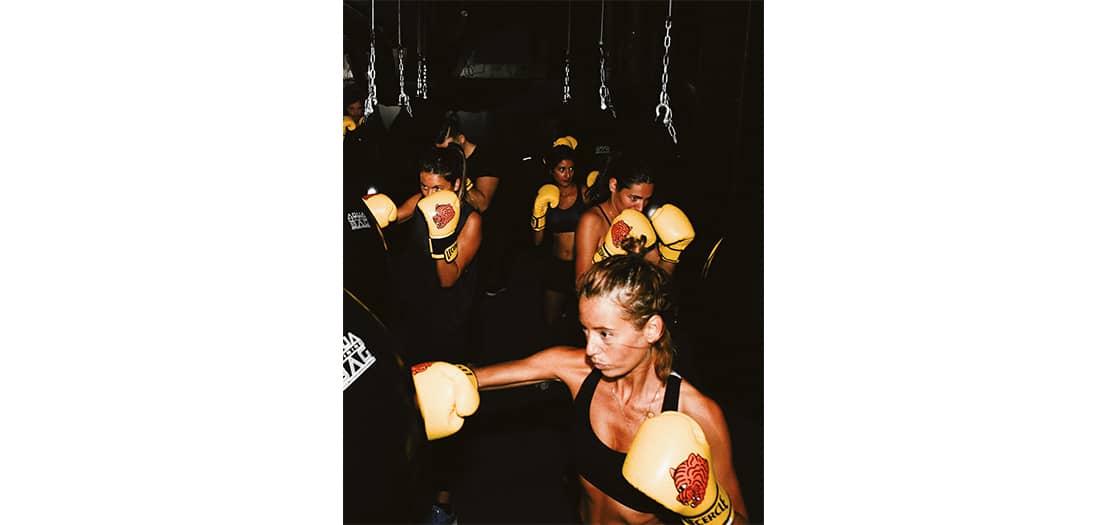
624, 185
558, 206
434, 282
622, 209
649, 447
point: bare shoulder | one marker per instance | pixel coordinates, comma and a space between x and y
700, 407
590, 219
569, 363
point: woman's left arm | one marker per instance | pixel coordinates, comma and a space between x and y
710, 417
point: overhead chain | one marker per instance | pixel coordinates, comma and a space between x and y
605, 95
403, 98
371, 94
421, 78
421, 64
371, 97
403, 101
565, 85
663, 110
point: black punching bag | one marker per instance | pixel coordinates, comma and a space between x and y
384, 443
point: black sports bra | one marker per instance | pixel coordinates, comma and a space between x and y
603, 466
563, 221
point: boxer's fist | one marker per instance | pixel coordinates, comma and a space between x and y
591, 178
547, 198
675, 232
670, 461
441, 210
629, 223
445, 393
382, 208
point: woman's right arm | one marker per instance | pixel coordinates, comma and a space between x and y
557, 363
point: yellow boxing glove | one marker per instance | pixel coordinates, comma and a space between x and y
547, 198
441, 210
382, 208
670, 461
348, 124
629, 223
445, 393
565, 141
675, 232
591, 178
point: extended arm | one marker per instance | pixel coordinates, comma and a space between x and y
557, 363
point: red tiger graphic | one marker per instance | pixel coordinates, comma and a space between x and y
691, 479
619, 231
443, 214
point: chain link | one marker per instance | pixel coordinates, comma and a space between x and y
663, 110
371, 97
403, 100
605, 95
421, 78
565, 86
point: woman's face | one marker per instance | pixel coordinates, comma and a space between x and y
355, 109
563, 173
431, 182
612, 343
634, 197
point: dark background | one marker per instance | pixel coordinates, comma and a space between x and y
501, 64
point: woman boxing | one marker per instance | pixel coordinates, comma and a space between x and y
434, 285
622, 208
648, 447
557, 209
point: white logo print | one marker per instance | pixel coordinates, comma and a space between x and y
355, 358
357, 220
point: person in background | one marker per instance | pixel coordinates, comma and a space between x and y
483, 174
622, 208
435, 284
557, 208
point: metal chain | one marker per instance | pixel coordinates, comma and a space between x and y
663, 110
605, 95
565, 85
403, 100
371, 95
421, 78
421, 64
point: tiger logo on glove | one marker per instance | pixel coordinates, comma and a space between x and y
443, 214
690, 478
619, 232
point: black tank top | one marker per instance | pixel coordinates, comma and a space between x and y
562, 221
602, 466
